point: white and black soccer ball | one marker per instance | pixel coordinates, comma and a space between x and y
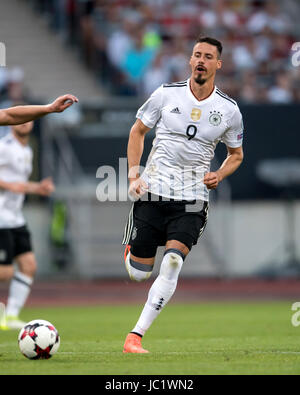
38, 340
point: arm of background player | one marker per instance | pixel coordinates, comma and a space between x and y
43, 188
230, 165
22, 114
135, 151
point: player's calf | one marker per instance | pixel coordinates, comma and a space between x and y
27, 264
161, 290
165, 285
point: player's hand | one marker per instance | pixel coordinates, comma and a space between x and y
211, 180
62, 103
137, 189
46, 187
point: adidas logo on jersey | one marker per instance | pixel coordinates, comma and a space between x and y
175, 111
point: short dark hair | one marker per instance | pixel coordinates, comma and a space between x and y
211, 41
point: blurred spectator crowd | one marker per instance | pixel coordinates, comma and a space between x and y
133, 46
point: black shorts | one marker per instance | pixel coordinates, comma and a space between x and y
153, 223
14, 242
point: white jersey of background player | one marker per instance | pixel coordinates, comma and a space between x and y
176, 165
15, 166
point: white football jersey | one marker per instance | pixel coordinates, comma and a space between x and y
15, 166
187, 132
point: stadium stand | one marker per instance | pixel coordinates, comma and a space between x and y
47, 69
133, 46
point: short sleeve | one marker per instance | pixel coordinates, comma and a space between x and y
150, 112
3, 155
233, 137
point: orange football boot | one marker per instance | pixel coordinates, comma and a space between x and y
133, 344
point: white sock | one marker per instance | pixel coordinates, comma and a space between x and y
161, 291
19, 290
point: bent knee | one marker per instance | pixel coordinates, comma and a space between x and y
138, 271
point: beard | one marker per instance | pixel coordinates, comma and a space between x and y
200, 80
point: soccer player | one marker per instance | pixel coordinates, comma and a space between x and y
15, 169
171, 195
15, 241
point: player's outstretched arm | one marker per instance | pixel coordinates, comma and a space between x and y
22, 114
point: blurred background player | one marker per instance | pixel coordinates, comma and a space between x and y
191, 117
15, 241
15, 169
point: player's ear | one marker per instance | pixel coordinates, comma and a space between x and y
219, 64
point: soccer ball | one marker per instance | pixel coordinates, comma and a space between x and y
38, 340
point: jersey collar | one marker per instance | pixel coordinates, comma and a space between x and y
16, 141
200, 102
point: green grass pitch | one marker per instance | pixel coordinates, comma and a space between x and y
205, 338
